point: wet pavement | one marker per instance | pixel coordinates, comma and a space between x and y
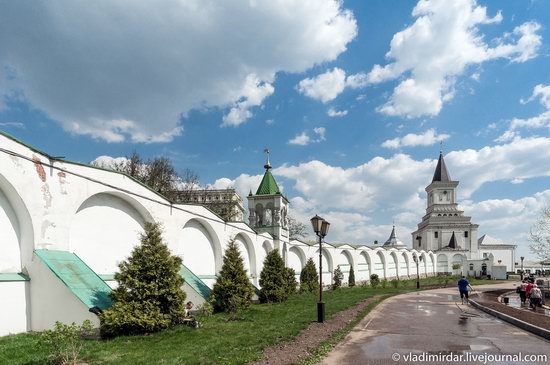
431, 323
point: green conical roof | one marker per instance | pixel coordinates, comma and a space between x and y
268, 186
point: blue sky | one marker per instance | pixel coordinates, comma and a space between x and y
351, 97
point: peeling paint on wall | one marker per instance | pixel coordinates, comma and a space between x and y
39, 168
47, 196
62, 182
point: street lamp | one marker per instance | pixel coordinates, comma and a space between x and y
521, 273
320, 227
417, 260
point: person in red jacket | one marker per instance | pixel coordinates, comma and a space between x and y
528, 289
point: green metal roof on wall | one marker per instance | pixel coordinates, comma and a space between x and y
194, 282
268, 186
82, 281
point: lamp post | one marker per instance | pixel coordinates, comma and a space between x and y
521, 273
417, 260
320, 227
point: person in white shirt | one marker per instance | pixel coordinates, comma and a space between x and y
536, 297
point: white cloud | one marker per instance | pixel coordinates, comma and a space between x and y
243, 184
333, 113
109, 162
427, 138
303, 139
327, 86
541, 92
437, 48
119, 70
254, 93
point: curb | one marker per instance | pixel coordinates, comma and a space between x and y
539, 331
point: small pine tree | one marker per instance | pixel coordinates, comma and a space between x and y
273, 279
149, 297
291, 283
351, 278
232, 290
374, 280
309, 280
338, 277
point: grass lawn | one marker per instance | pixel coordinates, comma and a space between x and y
219, 341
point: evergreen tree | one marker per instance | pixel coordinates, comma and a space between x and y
351, 278
338, 277
232, 290
273, 279
309, 280
291, 282
149, 297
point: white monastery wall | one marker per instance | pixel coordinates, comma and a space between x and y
46, 203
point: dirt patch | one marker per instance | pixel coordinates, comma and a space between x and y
311, 337
490, 299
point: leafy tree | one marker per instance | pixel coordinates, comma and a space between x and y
273, 279
540, 236
351, 277
149, 297
296, 229
309, 280
374, 280
291, 282
232, 291
337, 278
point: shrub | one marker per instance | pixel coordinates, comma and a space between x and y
394, 283
65, 342
384, 283
273, 279
351, 278
337, 278
309, 280
149, 297
374, 280
232, 290
291, 282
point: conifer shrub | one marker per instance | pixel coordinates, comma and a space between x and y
273, 279
351, 277
384, 283
291, 282
309, 280
232, 291
394, 283
374, 280
337, 279
149, 297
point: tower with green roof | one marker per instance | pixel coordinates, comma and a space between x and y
268, 208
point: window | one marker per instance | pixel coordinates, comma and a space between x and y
436, 235
466, 234
471, 267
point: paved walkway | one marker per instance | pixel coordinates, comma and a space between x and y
430, 322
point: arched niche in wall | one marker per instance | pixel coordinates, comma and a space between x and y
246, 247
392, 264
328, 267
262, 253
404, 264
363, 267
296, 259
105, 229
442, 263
346, 263
16, 230
379, 265
199, 247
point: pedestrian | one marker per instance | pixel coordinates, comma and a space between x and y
463, 285
522, 291
528, 289
536, 297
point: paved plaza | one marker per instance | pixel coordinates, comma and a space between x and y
431, 322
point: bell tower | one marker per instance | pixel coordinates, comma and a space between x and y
268, 208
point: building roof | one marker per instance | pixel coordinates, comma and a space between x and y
441, 174
488, 240
82, 281
393, 241
268, 186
